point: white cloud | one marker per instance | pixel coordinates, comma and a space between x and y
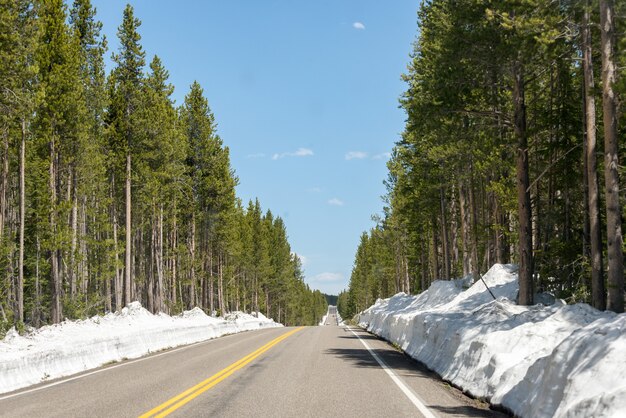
356, 155
358, 25
383, 156
327, 277
314, 190
335, 202
300, 152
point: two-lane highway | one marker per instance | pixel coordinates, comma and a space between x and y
324, 371
331, 316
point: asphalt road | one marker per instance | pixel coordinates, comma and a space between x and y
331, 316
323, 371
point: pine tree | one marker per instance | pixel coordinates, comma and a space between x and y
18, 38
611, 160
127, 79
60, 126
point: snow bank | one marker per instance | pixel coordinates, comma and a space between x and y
537, 361
74, 346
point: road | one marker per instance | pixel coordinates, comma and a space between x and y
323, 371
331, 316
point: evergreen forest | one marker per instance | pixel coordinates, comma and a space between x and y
510, 154
112, 193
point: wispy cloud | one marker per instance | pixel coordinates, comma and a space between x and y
314, 190
327, 277
358, 25
300, 152
335, 202
356, 155
383, 156
257, 155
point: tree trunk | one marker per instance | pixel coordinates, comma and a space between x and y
436, 275
20, 280
174, 256
150, 282
473, 237
211, 299
454, 233
598, 293
526, 290
5, 178
424, 263
160, 266
220, 284
407, 278
615, 301
465, 229
444, 235
192, 270
128, 263
73, 273
56, 307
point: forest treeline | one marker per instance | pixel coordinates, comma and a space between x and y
510, 154
110, 193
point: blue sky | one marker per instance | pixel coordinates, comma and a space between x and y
305, 94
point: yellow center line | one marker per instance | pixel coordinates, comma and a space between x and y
183, 398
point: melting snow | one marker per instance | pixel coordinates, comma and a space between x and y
74, 346
537, 361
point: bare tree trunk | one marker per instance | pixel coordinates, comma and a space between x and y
74, 216
211, 288
256, 293
128, 260
474, 267
56, 308
436, 275
444, 235
20, 280
614, 237
424, 263
454, 235
37, 285
118, 278
407, 278
174, 256
598, 293
502, 254
5, 177
192, 270
150, 282
526, 285
107, 282
220, 284
465, 228
160, 267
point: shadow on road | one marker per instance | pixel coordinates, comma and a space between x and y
363, 337
467, 411
405, 367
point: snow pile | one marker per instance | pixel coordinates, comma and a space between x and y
537, 361
74, 346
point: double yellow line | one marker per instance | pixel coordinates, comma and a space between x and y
177, 401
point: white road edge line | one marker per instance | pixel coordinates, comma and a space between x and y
123, 363
404, 388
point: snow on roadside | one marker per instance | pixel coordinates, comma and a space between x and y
537, 361
74, 346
